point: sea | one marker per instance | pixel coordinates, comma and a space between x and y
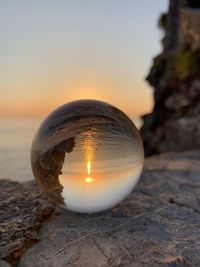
16, 137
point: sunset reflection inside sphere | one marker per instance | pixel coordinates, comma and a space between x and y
87, 156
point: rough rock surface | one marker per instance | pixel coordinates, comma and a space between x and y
22, 210
4, 264
174, 123
157, 225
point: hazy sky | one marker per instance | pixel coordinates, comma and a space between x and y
52, 52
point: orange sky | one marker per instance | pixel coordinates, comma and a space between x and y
55, 52
44, 101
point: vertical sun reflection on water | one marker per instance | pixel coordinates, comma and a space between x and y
89, 167
89, 153
89, 179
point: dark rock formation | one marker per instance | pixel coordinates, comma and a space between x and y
157, 225
48, 166
174, 124
22, 210
171, 38
190, 26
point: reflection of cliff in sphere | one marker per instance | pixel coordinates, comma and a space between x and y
87, 155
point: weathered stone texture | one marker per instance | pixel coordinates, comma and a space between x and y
22, 210
190, 27
157, 225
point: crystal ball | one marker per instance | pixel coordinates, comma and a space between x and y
87, 156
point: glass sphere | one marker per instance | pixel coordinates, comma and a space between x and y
87, 156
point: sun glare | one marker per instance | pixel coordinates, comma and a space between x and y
89, 179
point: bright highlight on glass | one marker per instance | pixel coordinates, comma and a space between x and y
87, 156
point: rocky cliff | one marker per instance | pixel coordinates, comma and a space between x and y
174, 124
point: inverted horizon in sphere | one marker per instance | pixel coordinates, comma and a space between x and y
87, 156
88, 195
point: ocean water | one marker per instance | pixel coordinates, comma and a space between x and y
16, 137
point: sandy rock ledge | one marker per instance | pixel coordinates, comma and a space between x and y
157, 225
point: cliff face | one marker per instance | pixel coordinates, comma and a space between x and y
174, 123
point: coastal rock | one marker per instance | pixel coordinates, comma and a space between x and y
157, 225
4, 264
173, 124
22, 210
